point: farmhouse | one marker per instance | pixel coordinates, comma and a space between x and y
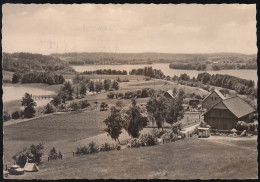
225, 114
212, 99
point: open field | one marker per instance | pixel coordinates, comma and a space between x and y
186, 159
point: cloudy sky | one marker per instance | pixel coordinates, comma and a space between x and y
129, 28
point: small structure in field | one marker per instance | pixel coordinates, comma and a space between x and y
212, 99
31, 167
225, 114
203, 132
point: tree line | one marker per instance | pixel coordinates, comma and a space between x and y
106, 72
17, 62
149, 72
241, 86
50, 78
189, 66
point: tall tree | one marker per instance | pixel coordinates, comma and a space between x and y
114, 123
83, 89
107, 84
28, 104
68, 89
91, 87
135, 122
115, 85
157, 109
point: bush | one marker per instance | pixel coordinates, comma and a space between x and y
33, 153
253, 126
135, 143
92, 148
84, 104
53, 155
241, 126
6, 116
157, 133
148, 140
176, 127
82, 150
15, 115
74, 106
49, 108
120, 95
63, 108
108, 147
110, 95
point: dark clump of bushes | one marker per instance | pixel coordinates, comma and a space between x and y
6, 116
108, 147
49, 108
143, 141
15, 115
53, 155
92, 148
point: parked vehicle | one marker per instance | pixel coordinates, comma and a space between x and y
16, 170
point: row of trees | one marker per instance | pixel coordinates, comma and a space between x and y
149, 72
159, 110
241, 86
188, 66
38, 77
106, 72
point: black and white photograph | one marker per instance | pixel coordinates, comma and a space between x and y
129, 91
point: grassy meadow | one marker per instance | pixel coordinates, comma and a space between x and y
191, 158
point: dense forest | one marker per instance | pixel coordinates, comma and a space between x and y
106, 72
34, 62
50, 78
189, 66
149, 72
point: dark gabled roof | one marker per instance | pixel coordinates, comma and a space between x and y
218, 93
237, 106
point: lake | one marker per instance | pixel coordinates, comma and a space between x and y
245, 74
16, 92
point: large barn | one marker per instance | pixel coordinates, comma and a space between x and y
212, 99
225, 114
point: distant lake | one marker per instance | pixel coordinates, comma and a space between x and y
11, 93
245, 74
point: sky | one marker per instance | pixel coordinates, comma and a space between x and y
168, 28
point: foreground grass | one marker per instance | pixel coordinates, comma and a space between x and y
186, 159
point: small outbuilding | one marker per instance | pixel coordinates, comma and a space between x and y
31, 167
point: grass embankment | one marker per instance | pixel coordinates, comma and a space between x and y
186, 159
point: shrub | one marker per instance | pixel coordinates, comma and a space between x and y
15, 115
84, 104
176, 127
82, 150
6, 116
53, 155
33, 153
135, 143
92, 148
108, 147
49, 108
241, 126
110, 95
148, 140
63, 108
157, 133
120, 95
253, 126
74, 106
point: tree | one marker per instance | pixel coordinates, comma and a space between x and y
98, 86
157, 109
91, 86
16, 77
175, 109
49, 109
83, 89
115, 85
103, 106
68, 89
107, 84
135, 122
28, 104
114, 123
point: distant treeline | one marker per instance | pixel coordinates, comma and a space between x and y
241, 86
106, 72
38, 77
34, 62
149, 72
188, 66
